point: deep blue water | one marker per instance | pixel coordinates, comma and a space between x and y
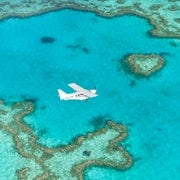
88, 50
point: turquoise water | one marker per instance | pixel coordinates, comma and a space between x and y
88, 50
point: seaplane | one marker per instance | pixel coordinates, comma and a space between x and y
80, 94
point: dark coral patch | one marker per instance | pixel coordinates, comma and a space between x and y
99, 121
47, 40
29, 98
132, 83
173, 44
85, 50
79, 47
86, 153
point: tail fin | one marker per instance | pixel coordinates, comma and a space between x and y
62, 94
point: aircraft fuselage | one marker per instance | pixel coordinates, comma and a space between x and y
80, 95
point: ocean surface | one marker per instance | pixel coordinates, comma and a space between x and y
88, 50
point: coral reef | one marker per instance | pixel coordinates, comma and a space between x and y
46, 39
144, 64
36, 161
163, 15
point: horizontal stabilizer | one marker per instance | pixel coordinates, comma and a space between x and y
62, 94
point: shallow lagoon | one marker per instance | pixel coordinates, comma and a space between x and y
88, 50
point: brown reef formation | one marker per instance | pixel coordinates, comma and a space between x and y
97, 148
163, 15
143, 64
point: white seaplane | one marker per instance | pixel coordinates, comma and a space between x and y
80, 94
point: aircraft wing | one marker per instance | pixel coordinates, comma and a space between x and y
76, 87
89, 94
